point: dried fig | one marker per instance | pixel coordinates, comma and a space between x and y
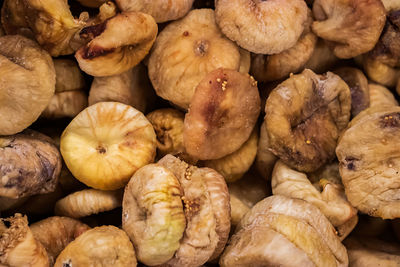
131, 87
285, 232
110, 53
106, 143
168, 124
68, 75
87, 202
304, 117
391, 5
225, 106
27, 75
359, 89
380, 72
185, 51
380, 96
29, 164
152, 214
263, 27
265, 159
322, 59
18, 247
100, 246
233, 166
55, 233
13, 18
352, 27
369, 160
66, 104
161, 11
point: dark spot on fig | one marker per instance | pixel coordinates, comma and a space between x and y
185, 33
394, 18
48, 169
93, 31
68, 263
201, 47
350, 163
101, 149
358, 102
95, 51
391, 120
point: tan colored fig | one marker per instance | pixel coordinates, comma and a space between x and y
304, 118
322, 58
100, 246
30, 164
391, 5
66, 104
106, 143
55, 233
131, 87
186, 51
225, 106
263, 27
87, 202
110, 53
380, 72
27, 79
160, 10
68, 75
265, 159
352, 27
18, 247
380, 96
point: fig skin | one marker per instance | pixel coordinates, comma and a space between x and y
265, 159
225, 106
380, 96
68, 75
304, 118
66, 104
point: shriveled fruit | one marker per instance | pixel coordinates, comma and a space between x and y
304, 117
225, 106
265, 159
168, 124
66, 104
381, 96
68, 75
110, 53
27, 79
13, 18
100, 246
233, 166
106, 143
263, 27
369, 163
162, 11
285, 232
29, 164
153, 215
352, 27
87, 202
55, 233
18, 247
185, 51
322, 58
380, 72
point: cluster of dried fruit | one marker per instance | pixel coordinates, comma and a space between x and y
188, 183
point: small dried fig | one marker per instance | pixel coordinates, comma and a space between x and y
322, 59
65, 104
68, 75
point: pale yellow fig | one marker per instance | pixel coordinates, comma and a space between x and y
101, 246
106, 143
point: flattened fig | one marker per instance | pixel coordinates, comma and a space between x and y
304, 117
225, 106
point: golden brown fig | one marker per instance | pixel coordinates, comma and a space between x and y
27, 79
265, 159
68, 75
292, 60
352, 27
207, 212
152, 214
55, 233
92, 3
29, 164
285, 232
18, 247
66, 104
233, 166
322, 58
168, 124
263, 27
380, 96
160, 10
225, 106
369, 163
100, 246
185, 51
110, 53
304, 117
131, 87
380, 72
359, 89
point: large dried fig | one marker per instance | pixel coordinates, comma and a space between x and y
352, 27
29, 164
110, 53
304, 117
160, 10
27, 80
368, 153
225, 106
185, 51
263, 27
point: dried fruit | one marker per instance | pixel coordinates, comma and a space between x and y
380, 72
225, 106
322, 58
263, 27
68, 75
26, 76
106, 143
380, 96
185, 51
66, 104
13, 18
265, 159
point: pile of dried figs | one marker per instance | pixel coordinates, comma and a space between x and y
188, 133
